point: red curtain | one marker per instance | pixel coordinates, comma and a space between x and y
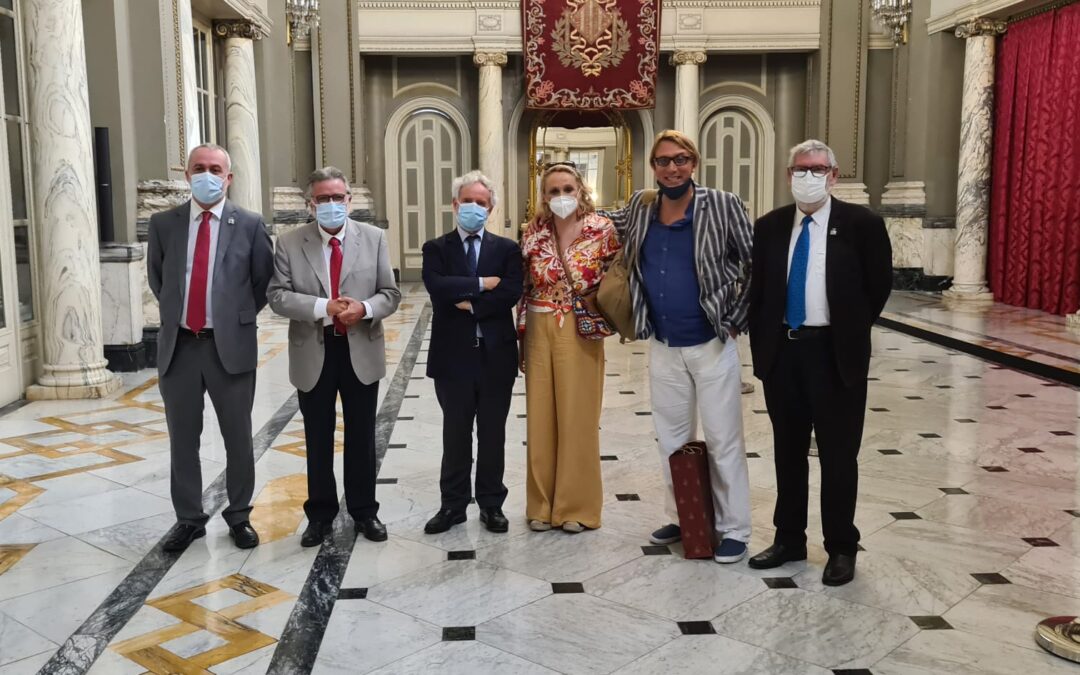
1034, 248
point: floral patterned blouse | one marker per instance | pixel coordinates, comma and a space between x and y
588, 258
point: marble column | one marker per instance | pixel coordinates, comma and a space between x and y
192, 135
73, 362
687, 91
973, 183
492, 134
242, 112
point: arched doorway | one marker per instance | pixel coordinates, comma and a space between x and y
737, 151
427, 146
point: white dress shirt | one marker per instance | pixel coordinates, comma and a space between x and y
817, 302
194, 221
327, 251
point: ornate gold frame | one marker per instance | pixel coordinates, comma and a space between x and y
624, 153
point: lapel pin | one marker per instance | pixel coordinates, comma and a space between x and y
832, 231
232, 221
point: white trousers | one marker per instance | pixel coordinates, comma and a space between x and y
704, 380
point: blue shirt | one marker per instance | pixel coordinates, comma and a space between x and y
671, 283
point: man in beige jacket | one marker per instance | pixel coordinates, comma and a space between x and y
334, 281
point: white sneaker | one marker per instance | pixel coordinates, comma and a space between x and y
573, 527
539, 526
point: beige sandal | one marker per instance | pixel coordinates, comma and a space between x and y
539, 526
573, 527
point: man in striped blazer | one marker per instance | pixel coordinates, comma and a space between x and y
691, 247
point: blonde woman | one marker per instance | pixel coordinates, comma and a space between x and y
564, 372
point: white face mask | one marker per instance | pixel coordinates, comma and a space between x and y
563, 205
809, 189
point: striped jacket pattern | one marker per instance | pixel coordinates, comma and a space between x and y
723, 236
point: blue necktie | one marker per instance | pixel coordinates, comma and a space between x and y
795, 313
470, 255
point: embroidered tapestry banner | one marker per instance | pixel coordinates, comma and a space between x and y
591, 54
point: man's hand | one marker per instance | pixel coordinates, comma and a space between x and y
336, 306
464, 305
354, 313
490, 282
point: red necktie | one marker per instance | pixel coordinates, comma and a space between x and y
335, 278
200, 267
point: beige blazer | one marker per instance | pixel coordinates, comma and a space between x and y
300, 277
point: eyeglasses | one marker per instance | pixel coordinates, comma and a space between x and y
680, 160
816, 171
326, 199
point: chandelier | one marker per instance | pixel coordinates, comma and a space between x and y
893, 15
302, 16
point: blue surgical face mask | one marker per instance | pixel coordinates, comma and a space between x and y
675, 192
207, 188
331, 215
471, 217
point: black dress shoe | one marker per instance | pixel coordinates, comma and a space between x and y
494, 519
244, 535
372, 528
776, 555
315, 533
444, 520
181, 537
839, 570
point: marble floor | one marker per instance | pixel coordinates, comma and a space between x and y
969, 509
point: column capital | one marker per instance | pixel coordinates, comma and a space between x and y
980, 27
490, 59
688, 57
238, 28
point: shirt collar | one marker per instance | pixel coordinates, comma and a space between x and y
216, 209
821, 216
326, 236
464, 235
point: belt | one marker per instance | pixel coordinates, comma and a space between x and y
204, 334
807, 332
478, 342
331, 331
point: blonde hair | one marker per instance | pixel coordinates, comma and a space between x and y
585, 200
678, 138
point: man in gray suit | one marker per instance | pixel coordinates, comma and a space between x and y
209, 263
334, 282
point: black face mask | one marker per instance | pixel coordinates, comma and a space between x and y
675, 192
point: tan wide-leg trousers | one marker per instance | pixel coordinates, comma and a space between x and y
564, 385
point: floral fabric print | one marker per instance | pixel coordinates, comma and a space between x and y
588, 257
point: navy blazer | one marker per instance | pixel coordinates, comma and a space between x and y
453, 331
858, 280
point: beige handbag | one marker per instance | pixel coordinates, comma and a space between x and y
613, 296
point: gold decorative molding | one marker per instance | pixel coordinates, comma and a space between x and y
181, 164
490, 59
980, 27
691, 57
352, 89
238, 28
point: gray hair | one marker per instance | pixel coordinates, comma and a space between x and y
211, 146
470, 178
808, 146
325, 173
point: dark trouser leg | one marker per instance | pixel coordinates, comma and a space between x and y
233, 397
838, 413
789, 413
318, 407
493, 405
359, 402
458, 400
182, 391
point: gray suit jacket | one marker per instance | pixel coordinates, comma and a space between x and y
300, 278
243, 266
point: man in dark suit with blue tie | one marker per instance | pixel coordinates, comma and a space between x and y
821, 273
474, 278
